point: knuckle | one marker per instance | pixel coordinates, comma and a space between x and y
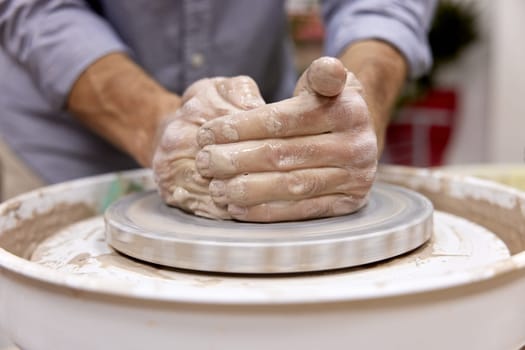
342, 150
187, 174
315, 209
162, 170
169, 141
177, 136
366, 178
353, 150
347, 153
356, 182
197, 112
192, 106
194, 88
291, 156
345, 205
258, 213
304, 185
274, 124
360, 113
244, 80
157, 162
274, 154
353, 82
340, 114
166, 197
365, 151
346, 184
350, 110
229, 130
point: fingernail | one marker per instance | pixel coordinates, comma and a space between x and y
217, 188
205, 137
327, 76
235, 210
203, 160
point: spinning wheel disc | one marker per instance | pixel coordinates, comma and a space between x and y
394, 221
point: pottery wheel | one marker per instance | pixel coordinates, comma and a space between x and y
394, 221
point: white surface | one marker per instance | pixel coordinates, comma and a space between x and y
507, 122
457, 246
489, 79
478, 308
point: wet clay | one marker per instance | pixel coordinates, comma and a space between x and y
503, 216
29, 233
457, 244
509, 227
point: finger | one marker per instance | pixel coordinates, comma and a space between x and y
180, 185
181, 173
178, 139
197, 87
253, 189
298, 116
326, 76
325, 206
207, 99
207, 102
241, 91
318, 151
198, 204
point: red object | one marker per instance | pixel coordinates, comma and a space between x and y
420, 132
307, 28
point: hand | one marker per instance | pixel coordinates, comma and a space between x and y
313, 155
173, 163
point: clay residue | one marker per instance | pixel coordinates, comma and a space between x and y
22, 239
421, 253
12, 208
115, 259
506, 222
79, 260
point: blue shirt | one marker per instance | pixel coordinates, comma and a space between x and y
46, 44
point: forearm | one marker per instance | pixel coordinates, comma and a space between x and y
382, 71
116, 99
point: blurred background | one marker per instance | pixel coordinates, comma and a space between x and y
470, 109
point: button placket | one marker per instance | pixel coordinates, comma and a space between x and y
196, 40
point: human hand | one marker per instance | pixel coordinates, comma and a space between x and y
313, 155
173, 162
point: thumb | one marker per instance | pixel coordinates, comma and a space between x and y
326, 76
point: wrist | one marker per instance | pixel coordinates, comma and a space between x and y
382, 71
116, 99
167, 104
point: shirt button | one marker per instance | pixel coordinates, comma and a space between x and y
197, 60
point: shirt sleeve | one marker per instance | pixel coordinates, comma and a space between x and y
401, 23
55, 41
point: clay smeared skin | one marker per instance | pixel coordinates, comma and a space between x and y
173, 163
313, 155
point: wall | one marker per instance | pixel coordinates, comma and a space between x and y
490, 78
470, 77
507, 75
